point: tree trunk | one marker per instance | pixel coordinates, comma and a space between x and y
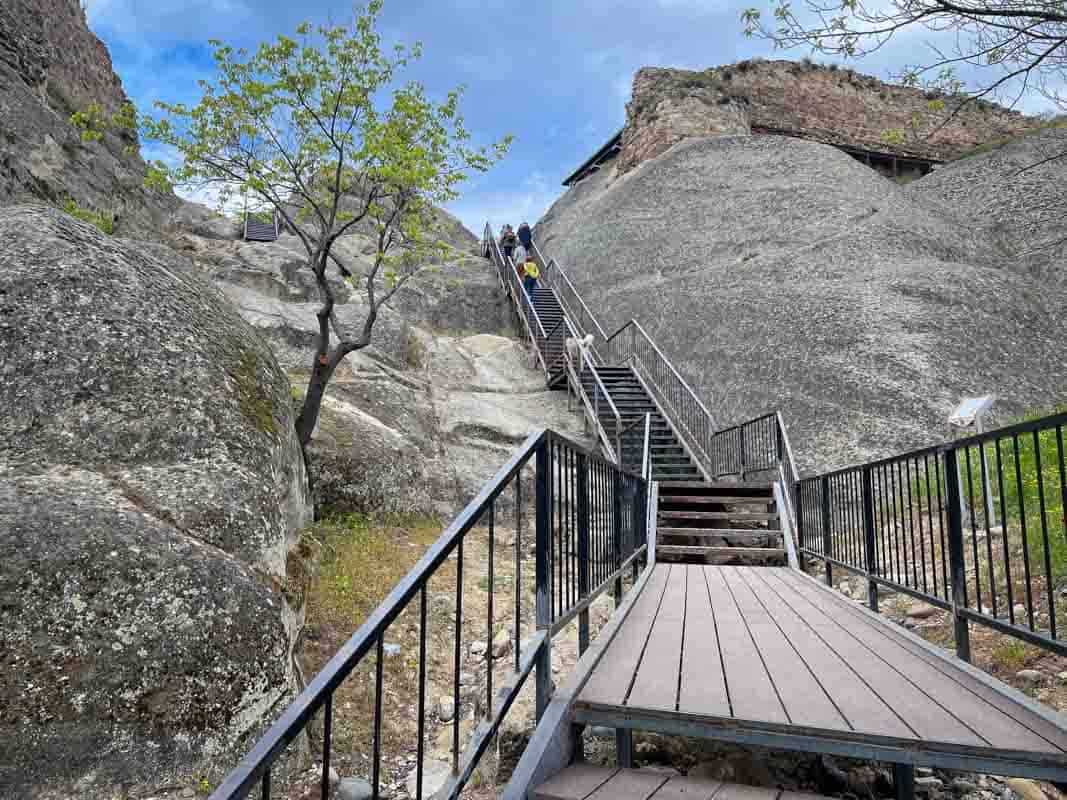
309, 413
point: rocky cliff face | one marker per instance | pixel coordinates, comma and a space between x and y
52, 65
777, 272
834, 106
152, 494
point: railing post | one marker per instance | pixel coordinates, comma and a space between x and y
543, 606
827, 538
870, 561
955, 555
640, 519
741, 448
799, 509
616, 530
583, 550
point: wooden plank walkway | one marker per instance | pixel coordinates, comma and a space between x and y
585, 782
765, 655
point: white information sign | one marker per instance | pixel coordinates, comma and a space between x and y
969, 410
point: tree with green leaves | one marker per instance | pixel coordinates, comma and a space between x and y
318, 128
1016, 44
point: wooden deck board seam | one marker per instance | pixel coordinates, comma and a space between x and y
948, 673
681, 649
718, 643
846, 661
651, 627
893, 668
793, 647
759, 652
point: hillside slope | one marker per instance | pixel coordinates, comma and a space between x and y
52, 65
777, 272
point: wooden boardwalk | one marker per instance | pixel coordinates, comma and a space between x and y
585, 782
766, 655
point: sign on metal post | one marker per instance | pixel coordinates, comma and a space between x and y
968, 417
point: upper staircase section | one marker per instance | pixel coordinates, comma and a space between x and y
261, 231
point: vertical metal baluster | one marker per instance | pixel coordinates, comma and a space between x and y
264, 792
518, 569
909, 565
884, 502
827, 532
543, 608
911, 523
1063, 481
961, 632
974, 531
420, 746
919, 516
987, 504
930, 519
583, 550
1009, 589
1022, 526
456, 656
941, 527
1049, 591
379, 690
327, 735
489, 623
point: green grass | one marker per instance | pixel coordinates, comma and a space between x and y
1023, 486
105, 222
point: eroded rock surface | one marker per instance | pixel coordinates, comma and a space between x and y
51, 66
152, 492
777, 272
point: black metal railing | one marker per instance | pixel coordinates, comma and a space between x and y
976, 527
589, 521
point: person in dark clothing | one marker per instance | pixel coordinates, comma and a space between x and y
525, 236
508, 241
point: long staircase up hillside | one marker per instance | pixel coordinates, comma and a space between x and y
700, 520
681, 522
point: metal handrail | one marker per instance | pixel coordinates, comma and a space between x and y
566, 584
592, 407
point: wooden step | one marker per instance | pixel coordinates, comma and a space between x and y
719, 552
720, 487
738, 516
720, 533
714, 499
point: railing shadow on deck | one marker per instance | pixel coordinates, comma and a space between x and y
589, 521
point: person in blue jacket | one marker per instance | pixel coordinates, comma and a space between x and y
525, 237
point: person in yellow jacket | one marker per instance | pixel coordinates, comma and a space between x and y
530, 274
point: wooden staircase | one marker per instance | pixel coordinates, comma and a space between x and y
550, 313
669, 460
718, 523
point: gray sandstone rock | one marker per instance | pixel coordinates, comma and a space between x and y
776, 272
152, 494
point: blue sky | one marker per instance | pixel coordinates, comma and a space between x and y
555, 73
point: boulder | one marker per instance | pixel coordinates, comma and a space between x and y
152, 494
777, 272
202, 221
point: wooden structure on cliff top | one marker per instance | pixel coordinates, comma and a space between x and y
889, 164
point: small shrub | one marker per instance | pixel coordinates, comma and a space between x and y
832, 67
727, 74
807, 63
1011, 655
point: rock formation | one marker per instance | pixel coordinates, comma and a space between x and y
52, 65
824, 104
152, 494
778, 272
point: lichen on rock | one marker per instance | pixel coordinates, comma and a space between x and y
152, 491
